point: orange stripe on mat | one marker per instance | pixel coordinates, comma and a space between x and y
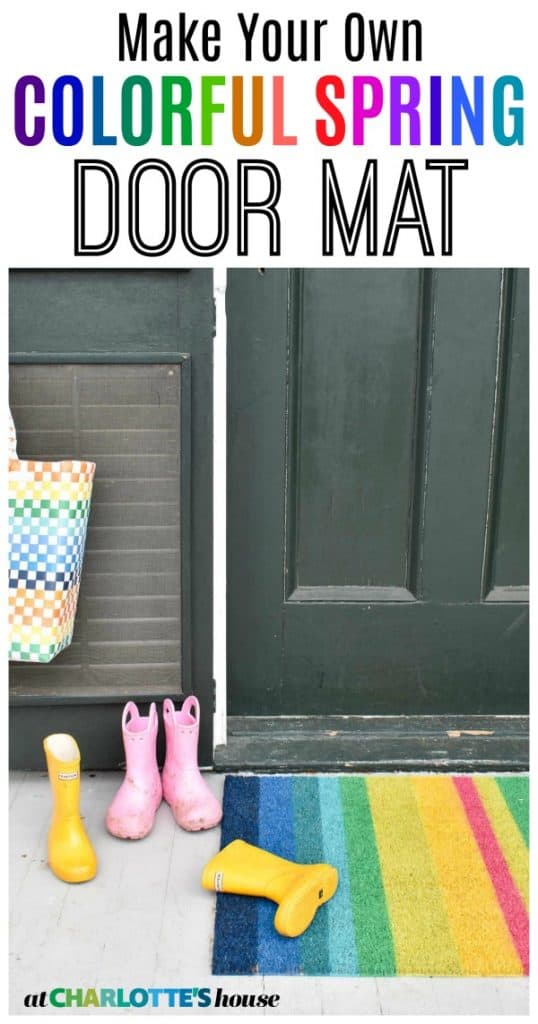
478, 926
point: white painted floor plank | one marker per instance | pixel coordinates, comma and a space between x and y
182, 947
145, 921
298, 996
16, 783
28, 830
453, 996
350, 995
513, 996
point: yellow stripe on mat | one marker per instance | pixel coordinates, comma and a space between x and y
508, 835
423, 941
477, 922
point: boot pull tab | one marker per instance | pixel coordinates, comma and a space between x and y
168, 707
153, 717
191, 707
130, 711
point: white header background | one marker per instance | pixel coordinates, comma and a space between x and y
493, 200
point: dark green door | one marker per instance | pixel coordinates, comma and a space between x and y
378, 492
116, 367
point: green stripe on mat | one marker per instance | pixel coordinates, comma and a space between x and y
373, 934
515, 789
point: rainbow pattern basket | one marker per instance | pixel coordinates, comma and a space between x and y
49, 504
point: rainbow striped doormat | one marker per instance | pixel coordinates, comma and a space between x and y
433, 874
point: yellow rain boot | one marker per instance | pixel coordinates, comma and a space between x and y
299, 889
71, 855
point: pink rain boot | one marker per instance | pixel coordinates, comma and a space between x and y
193, 805
132, 811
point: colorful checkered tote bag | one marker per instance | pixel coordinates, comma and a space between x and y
49, 504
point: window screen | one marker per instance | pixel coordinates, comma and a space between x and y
131, 631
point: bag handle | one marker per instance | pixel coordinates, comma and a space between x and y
11, 437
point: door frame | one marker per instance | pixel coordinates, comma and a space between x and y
220, 479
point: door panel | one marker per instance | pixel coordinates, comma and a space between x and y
461, 388
351, 454
507, 552
371, 437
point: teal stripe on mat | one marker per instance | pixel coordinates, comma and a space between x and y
342, 946
372, 926
515, 789
309, 850
277, 954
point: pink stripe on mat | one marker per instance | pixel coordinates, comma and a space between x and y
508, 896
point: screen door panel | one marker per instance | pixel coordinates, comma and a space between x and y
131, 632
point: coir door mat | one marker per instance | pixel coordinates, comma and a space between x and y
433, 875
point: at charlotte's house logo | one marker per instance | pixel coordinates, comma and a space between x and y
180, 998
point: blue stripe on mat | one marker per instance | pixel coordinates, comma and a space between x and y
342, 946
236, 927
277, 954
309, 850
